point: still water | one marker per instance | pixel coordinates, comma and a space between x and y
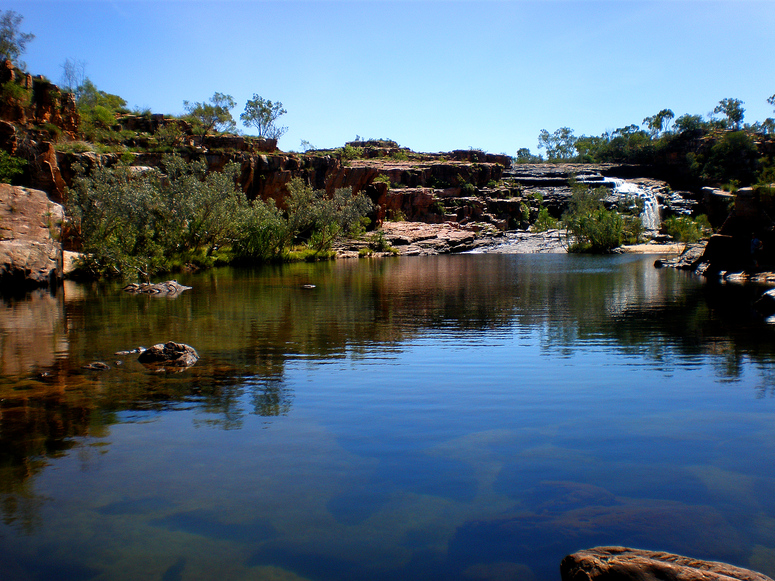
453, 417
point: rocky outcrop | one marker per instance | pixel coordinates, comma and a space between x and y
30, 253
623, 564
169, 356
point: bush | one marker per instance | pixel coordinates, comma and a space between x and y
10, 166
686, 230
545, 221
589, 226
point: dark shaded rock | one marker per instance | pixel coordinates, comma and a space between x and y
690, 259
169, 355
624, 564
766, 303
170, 288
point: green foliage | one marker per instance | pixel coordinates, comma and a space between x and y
686, 230
732, 158
13, 42
10, 166
350, 152
524, 156
148, 222
660, 122
560, 145
382, 178
262, 114
212, 116
320, 219
12, 92
399, 155
590, 227
732, 110
545, 221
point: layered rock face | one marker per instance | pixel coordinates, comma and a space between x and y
30, 253
623, 564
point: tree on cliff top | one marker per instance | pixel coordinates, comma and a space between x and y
262, 114
12, 41
560, 145
215, 115
733, 110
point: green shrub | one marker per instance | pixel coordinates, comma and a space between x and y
10, 166
350, 152
14, 93
685, 230
589, 226
545, 221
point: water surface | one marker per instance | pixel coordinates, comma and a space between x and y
452, 417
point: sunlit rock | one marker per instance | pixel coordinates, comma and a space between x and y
623, 564
176, 356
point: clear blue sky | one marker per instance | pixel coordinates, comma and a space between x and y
432, 75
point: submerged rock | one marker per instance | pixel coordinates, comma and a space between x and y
169, 288
169, 355
623, 564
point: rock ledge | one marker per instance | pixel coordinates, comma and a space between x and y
624, 564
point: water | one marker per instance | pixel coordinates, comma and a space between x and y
453, 417
631, 191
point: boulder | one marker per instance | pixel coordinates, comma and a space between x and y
624, 564
766, 303
169, 355
30, 253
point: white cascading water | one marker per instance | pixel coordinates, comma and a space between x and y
650, 213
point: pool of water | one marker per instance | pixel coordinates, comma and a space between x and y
452, 417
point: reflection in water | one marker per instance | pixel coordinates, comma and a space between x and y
433, 418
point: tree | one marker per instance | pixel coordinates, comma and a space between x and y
771, 100
733, 111
560, 145
525, 156
660, 122
262, 114
13, 42
215, 115
73, 76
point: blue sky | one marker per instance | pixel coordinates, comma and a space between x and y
432, 75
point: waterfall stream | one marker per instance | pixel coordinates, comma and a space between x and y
628, 190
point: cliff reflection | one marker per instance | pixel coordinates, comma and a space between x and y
249, 325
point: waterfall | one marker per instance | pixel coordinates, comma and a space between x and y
628, 190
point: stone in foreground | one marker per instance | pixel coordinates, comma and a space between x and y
623, 564
173, 355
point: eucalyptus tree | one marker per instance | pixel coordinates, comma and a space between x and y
13, 42
560, 145
263, 114
733, 110
215, 115
659, 123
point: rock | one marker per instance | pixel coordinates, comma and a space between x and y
30, 253
623, 564
689, 259
169, 355
766, 303
96, 366
170, 288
